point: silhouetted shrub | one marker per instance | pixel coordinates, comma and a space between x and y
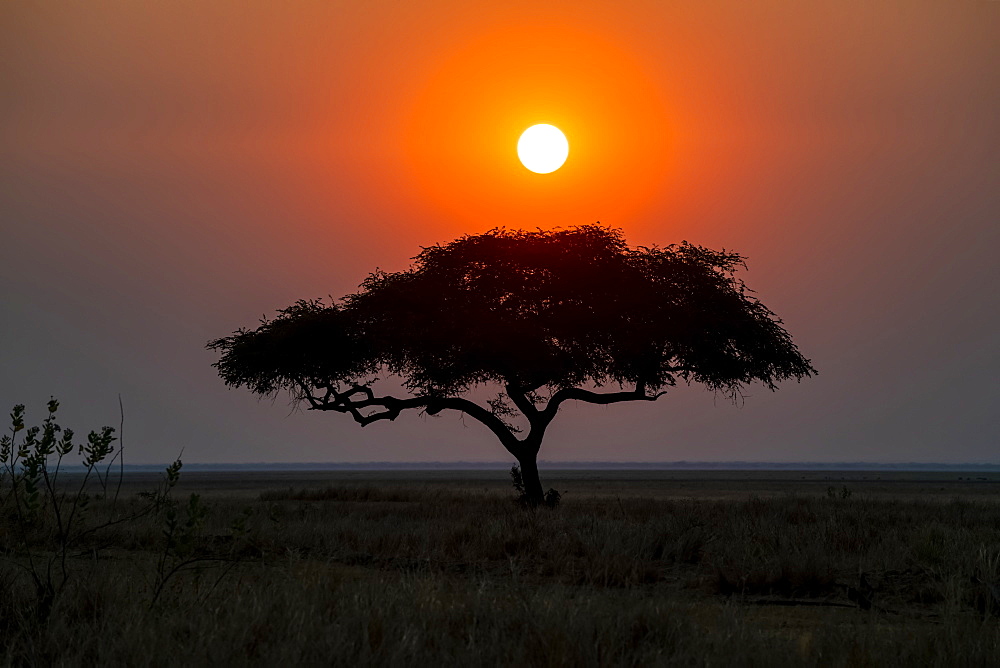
550, 499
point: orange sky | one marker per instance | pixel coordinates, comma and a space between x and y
172, 171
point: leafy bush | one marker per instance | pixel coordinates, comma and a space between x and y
51, 509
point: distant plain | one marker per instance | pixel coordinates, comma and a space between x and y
658, 484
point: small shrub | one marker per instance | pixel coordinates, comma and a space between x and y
844, 493
54, 521
517, 481
550, 499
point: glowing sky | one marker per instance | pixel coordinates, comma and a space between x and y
172, 171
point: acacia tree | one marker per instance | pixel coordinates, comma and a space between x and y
540, 318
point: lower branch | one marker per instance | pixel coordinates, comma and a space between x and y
360, 402
359, 399
601, 398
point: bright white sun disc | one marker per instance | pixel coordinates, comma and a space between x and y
542, 148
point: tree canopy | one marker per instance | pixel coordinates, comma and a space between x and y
546, 316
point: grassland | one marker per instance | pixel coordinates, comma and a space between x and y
428, 568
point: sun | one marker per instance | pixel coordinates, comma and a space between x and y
542, 148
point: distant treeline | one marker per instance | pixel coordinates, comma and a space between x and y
575, 466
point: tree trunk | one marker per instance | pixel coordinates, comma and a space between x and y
529, 476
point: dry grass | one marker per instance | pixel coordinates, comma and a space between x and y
409, 572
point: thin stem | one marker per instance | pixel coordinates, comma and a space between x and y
121, 452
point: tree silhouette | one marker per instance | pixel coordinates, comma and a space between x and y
540, 318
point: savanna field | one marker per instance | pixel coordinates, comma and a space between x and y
636, 231
430, 568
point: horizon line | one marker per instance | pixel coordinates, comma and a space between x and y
804, 465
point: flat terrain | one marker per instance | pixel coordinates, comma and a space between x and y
676, 485
443, 567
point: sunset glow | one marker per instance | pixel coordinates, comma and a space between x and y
172, 170
474, 104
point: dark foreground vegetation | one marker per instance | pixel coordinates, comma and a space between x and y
418, 573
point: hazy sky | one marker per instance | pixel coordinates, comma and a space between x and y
170, 172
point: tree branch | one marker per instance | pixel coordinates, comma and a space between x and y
579, 394
389, 408
521, 400
474, 410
